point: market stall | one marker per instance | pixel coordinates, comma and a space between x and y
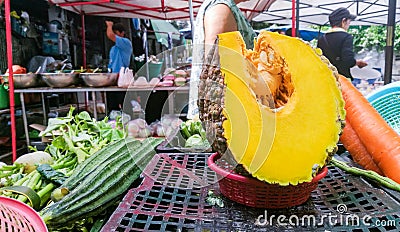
162, 10
131, 9
262, 156
308, 12
369, 12
202, 191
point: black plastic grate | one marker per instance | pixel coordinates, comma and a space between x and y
172, 198
183, 171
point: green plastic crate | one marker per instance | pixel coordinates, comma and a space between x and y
386, 100
4, 100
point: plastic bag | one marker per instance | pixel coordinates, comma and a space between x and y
115, 113
136, 106
171, 125
121, 77
39, 62
129, 77
125, 78
138, 128
157, 129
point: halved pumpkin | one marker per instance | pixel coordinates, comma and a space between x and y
277, 109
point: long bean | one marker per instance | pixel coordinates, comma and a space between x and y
382, 180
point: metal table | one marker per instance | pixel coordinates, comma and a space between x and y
87, 90
174, 191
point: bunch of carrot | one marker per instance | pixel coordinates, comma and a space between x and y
369, 139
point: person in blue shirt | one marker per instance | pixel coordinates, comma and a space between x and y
121, 52
120, 56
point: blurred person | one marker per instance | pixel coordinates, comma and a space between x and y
337, 43
214, 17
121, 52
288, 32
120, 56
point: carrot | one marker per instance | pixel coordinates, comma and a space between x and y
356, 148
380, 140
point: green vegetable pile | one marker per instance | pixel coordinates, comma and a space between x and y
194, 134
33, 177
75, 183
81, 135
98, 182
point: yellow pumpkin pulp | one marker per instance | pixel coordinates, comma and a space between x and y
283, 107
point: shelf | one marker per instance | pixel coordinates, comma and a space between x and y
93, 91
4, 111
100, 89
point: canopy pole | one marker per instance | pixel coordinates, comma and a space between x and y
191, 15
146, 52
170, 46
387, 78
293, 18
10, 79
83, 39
297, 18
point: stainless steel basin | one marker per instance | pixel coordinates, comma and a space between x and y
99, 79
60, 80
23, 81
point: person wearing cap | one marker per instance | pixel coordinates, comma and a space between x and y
337, 44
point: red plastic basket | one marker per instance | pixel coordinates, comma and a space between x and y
18, 216
255, 193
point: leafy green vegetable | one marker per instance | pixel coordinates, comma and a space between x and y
185, 130
55, 123
50, 174
34, 134
194, 134
80, 134
191, 127
84, 116
196, 141
75, 138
